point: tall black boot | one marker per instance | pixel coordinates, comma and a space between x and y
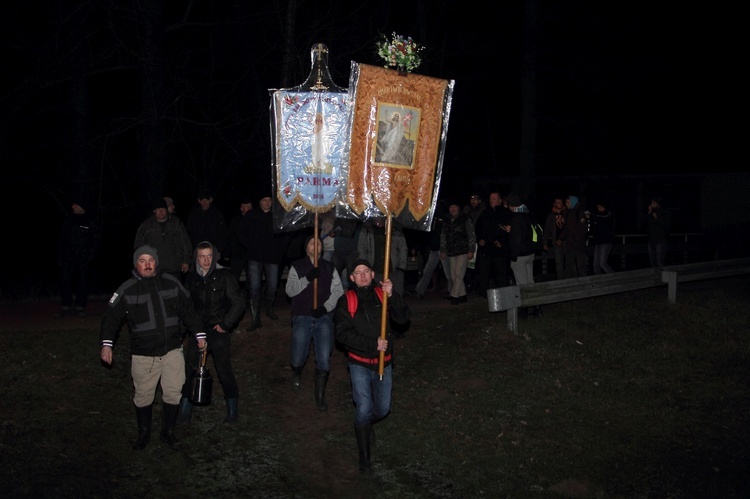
321, 379
185, 413
143, 415
167, 430
253, 308
232, 413
362, 432
296, 378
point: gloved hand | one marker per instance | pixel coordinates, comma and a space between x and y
313, 273
319, 312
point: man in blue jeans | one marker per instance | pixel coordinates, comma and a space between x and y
358, 326
314, 287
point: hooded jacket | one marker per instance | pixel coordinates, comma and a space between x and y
216, 296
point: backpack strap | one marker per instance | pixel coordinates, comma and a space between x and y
351, 299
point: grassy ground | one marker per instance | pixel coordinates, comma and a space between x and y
619, 396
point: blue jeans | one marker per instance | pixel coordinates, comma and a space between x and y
372, 397
601, 258
306, 328
256, 270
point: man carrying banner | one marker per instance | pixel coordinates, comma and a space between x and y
358, 329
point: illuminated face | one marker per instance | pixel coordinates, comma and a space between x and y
362, 276
205, 258
265, 203
205, 203
160, 214
314, 250
559, 204
146, 264
495, 199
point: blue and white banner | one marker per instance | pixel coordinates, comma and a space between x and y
312, 132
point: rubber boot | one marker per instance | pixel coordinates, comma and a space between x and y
321, 379
296, 378
232, 414
143, 416
254, 311
167, 430
186, 411
362, 432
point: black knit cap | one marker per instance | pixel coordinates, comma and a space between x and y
513, 199
159, 202
358, 262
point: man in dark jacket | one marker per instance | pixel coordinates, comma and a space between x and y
359, 333
154, 305
492, 243
457, 243
265, 251
217, 297
168, 236
658, 223
207, 223
314, 287
80, 237
574, 237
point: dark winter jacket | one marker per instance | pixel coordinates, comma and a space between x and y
153, 308
359, 334
658, 228
458, 236
216, 296
257, 236
520, 235
575, 231
488, 229
80, 237
208, 225
169, 238
602, 227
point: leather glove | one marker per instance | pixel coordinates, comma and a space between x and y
319, 312
313, 273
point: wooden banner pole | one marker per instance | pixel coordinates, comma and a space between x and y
386, 275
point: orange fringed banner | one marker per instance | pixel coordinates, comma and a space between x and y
398, 129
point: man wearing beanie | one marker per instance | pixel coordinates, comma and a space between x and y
358, 327
154, 304
314, 287
168, 236
265, 252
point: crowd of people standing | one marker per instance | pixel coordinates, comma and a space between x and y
186, 296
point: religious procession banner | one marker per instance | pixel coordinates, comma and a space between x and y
310, 140
399, 125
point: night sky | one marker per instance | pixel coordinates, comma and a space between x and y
619, 90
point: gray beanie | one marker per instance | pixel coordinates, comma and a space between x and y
145, 250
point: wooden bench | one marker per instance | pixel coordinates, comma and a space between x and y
511, 298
